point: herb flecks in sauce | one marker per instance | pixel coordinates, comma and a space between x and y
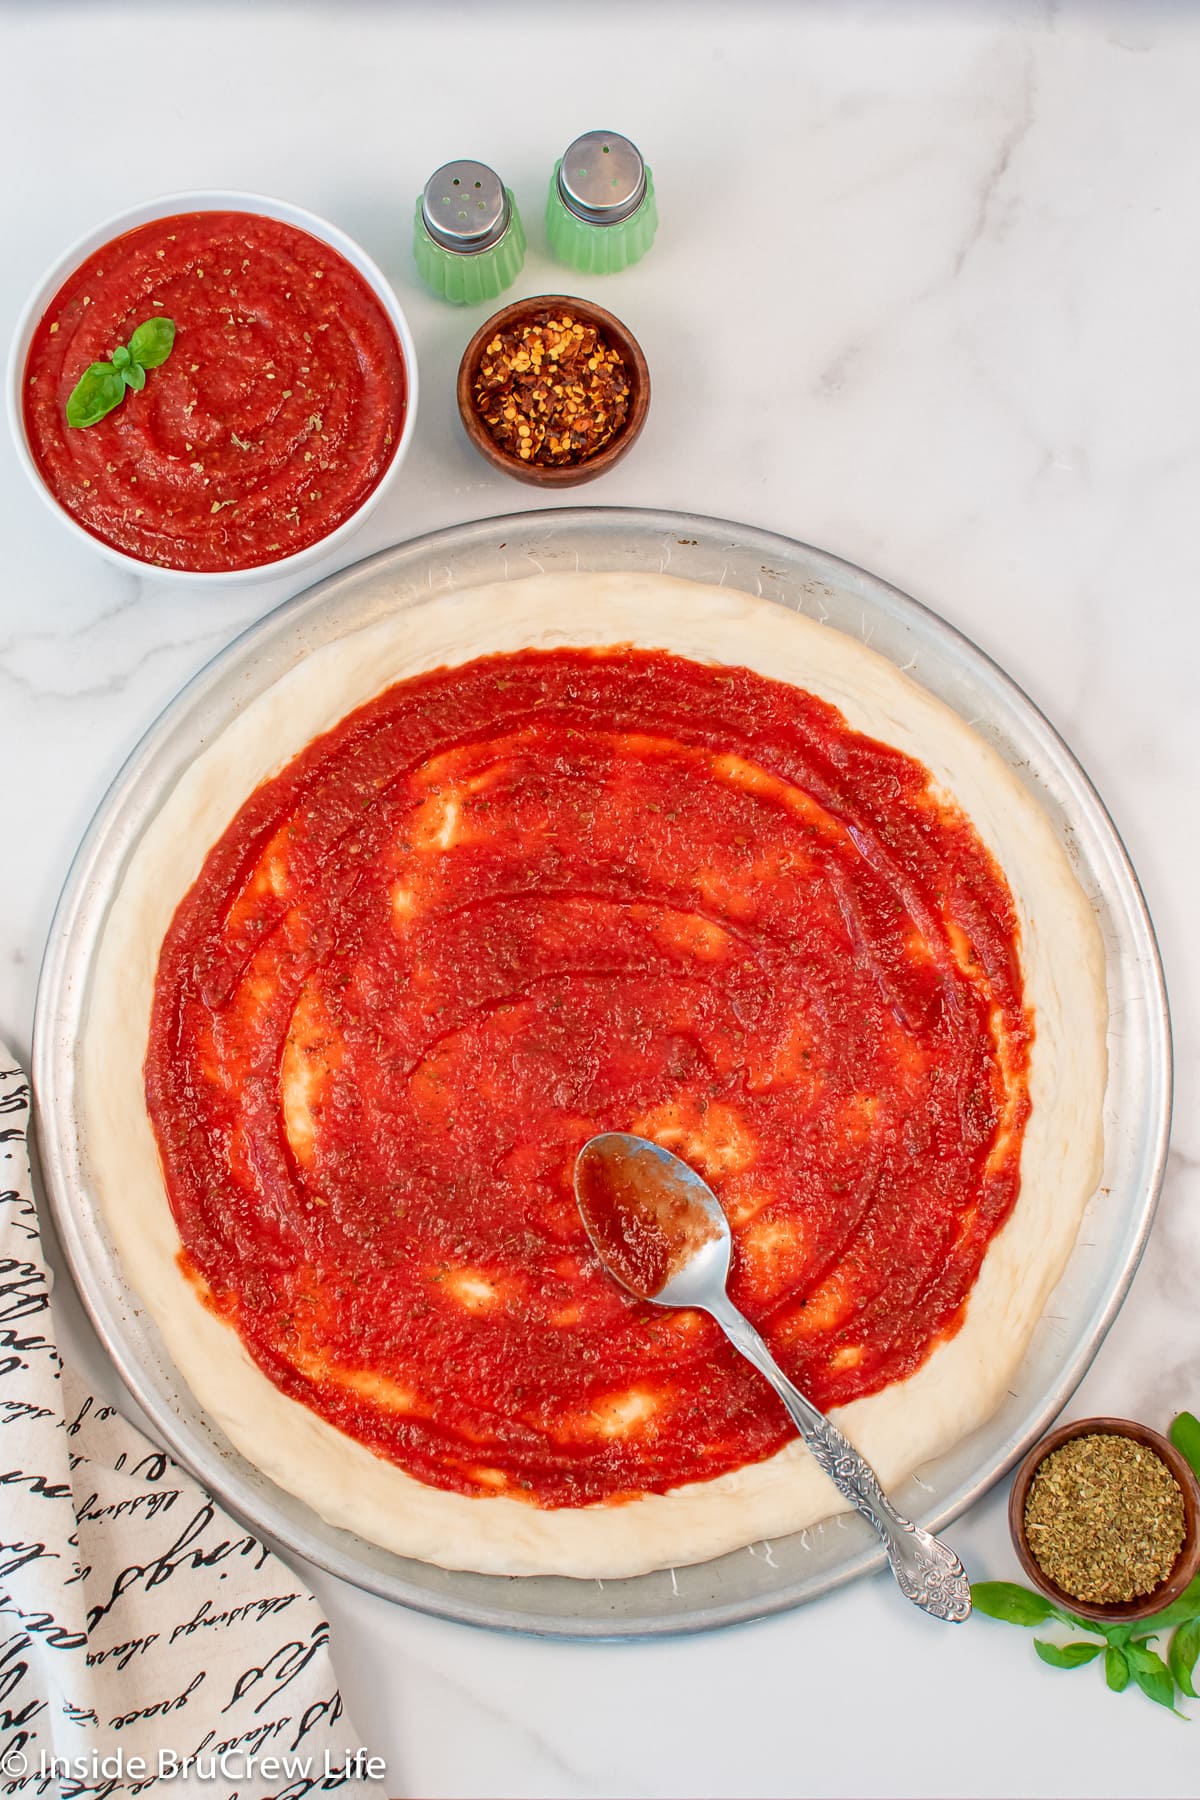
503, 908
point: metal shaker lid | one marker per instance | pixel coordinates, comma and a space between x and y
602, 178
465, 207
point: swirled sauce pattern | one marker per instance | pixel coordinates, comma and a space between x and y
511, 904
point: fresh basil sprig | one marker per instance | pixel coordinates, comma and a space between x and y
102, 386
1126, 1658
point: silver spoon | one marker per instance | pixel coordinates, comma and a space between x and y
660, 1231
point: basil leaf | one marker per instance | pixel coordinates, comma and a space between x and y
1117, 1635
1186, 1607
134, 376
1152, 1675
98, 390
1116, 1669
1159, 1687
1015, 1605
1066, 1656
152, 342
121, 357
1185, 1435
1182, 1655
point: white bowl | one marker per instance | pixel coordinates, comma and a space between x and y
210, 200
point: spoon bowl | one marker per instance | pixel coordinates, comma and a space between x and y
627, 1184
661, 1232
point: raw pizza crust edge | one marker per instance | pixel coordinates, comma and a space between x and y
905, 1425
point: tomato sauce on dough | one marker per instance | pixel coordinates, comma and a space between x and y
509, 905
274, 417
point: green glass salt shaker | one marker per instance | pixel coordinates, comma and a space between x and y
601, 214
468, 239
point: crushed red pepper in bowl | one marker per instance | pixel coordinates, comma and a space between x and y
553, 390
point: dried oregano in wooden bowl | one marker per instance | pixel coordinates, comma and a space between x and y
1105, 1519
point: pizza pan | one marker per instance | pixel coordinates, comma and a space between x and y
767, 1577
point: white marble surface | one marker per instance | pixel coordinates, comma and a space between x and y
926, 294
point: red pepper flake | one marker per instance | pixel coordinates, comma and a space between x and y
552, 390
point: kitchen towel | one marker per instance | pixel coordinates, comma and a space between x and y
148, 1642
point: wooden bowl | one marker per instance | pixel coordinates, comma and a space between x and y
1187, 1563
617, 335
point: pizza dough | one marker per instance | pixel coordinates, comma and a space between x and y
897, 1429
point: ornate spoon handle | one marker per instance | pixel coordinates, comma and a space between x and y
926, 1570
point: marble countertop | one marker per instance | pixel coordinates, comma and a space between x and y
925, 294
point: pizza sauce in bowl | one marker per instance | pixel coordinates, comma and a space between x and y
284, 405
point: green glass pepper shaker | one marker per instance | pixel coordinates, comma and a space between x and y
601, 214
468, 239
